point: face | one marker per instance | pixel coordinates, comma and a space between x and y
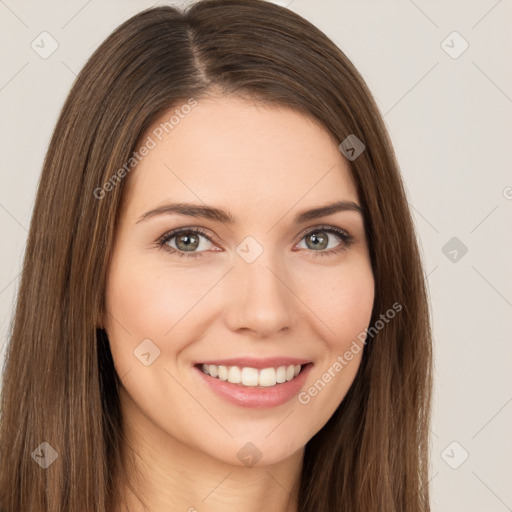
261, 287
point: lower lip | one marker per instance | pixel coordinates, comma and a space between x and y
256, 397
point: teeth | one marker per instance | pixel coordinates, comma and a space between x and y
223, 372
246, 376
234, 375
267, 377
281, 374
249, 376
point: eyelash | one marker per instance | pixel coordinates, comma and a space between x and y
346, 238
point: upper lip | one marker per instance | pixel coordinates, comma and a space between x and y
258, 363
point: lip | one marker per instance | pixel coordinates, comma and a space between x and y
256, 397
258, 363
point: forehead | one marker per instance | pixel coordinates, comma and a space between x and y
237, 152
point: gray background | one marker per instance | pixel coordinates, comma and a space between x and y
451, 125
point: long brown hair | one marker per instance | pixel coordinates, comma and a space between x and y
59, 383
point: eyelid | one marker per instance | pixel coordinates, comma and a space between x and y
326, 227
168, 235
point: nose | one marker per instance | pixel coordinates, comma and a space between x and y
258, 298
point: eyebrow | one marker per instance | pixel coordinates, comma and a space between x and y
226, 217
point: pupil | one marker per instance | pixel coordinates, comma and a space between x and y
319, 241
188, 243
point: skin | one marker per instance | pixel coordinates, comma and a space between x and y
263, 164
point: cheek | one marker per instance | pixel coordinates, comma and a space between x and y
342, 302
149, 300
341, 299
148, 308
135, 303
141, 306
349, 311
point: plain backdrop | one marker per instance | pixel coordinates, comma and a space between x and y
441, 73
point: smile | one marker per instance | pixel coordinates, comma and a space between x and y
247, 376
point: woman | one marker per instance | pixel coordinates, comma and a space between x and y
222, 304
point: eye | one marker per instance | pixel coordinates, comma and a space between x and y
317, 239
185, 241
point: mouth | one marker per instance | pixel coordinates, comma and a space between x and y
247, 376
